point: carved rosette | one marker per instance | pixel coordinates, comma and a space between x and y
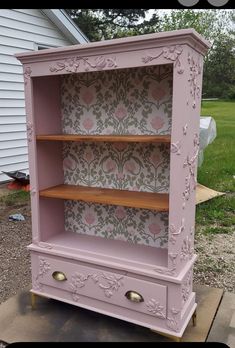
73, 64
27, 74
29, 130
186, 249
109, 283
174, 232
195, 69
171, 53
186, 287
155, 308
173, 321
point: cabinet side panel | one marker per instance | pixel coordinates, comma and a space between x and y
183, 163
47, 108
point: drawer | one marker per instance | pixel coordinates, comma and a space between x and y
107, 286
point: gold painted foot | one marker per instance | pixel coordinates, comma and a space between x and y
194, 318
33, 300
171, 337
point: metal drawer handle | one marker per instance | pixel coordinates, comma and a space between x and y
59, 276
134, 296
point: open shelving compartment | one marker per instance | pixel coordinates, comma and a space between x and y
103, 156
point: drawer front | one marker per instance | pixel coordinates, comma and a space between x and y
115, 288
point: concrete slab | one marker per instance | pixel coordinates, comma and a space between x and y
223, 330
59, 322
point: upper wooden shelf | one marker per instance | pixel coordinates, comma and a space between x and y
145, 200
107, 138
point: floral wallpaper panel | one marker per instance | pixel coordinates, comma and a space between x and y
138, 226
122, 101
126, 166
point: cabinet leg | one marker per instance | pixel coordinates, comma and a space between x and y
171, 337
33, 300
194, 318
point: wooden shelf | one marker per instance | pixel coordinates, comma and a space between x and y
107, 138
145, 200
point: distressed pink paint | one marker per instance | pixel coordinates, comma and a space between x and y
99, 270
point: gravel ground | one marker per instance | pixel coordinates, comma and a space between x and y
14, 257
214, 267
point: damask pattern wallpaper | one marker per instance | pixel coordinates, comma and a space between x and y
124, 101
128, 224
126, 166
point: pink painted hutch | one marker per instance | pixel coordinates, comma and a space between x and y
113, 141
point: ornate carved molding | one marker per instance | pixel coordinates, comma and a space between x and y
74, 63
77, 282
176, 148
108, 283
174, 232
155, 308
170, 53
43, 268
190, 163
186, 287
27, 74
112, 284
195, 69
29, 130
186, 249
172, 321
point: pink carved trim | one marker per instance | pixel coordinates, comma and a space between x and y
175, 148
172, 321
186, 287
174, 232
186, 249
78, 281
195, 71
73, 64
27, 74
155, 308
29, 130
185, 129
170, 53
111, 283
43, 269
190, 163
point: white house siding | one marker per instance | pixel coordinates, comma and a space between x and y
20, 30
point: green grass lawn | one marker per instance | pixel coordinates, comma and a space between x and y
218, 169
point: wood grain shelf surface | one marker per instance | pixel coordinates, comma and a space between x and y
107, 138
144, 200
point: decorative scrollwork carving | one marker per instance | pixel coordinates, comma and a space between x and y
74, 63
27, 74
172, 321
195, 69
170, 53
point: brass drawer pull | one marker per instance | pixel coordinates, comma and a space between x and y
60, 276
134, 296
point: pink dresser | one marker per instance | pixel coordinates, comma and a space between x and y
113, 140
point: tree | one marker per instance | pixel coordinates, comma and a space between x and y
106, 24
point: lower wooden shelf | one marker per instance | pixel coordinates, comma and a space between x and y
144, 200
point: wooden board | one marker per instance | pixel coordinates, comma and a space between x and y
107, 138
145, 200
204, 193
